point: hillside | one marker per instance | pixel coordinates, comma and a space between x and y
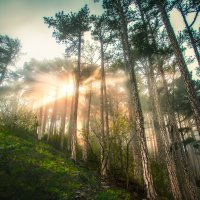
30, 169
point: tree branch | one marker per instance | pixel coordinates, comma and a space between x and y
196, 15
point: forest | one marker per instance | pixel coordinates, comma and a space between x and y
117, 117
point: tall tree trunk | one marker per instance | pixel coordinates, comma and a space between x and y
102, 102
87, 125
177, 148
70, 124
44, 121
190, 192
53, 118
168, 156
40, 119
75, 111
192, 40
139, 120
163, 138
154, 115
182, 65
63, 122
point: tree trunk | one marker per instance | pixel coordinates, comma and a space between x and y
168, 156
139, 120
75, 111
53, 118
163, 138
182, 66
44, 121
63, 122
40, 119
177, 148
70, 124
192, 40
87, 126
102, 101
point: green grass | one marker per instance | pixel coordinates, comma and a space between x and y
113, 194
31, 170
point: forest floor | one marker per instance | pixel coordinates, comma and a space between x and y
33, 170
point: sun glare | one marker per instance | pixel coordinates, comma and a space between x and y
67, 90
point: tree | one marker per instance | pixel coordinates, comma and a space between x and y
182, 64
119, 11
87, 78
69, 29
185, 9
103, 35
9, 50
162, 137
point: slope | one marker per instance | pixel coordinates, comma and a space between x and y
30, 170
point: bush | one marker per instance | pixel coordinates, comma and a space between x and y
17, 118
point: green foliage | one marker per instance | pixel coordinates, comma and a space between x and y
17, 117
69, 27
9, 50
34, 170
160, 180
111, 194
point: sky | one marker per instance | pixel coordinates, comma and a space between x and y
23, 19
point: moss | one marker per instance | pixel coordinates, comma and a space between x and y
34, 170
113, 194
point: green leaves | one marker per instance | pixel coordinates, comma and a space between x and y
67, 27
9, 50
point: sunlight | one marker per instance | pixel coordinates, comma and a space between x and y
70, 88
67, 89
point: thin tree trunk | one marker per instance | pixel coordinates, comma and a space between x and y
127, 164
75, 111
53, 118
70, 124
40, 119
87, 126
102, 101
44, 121
63, 122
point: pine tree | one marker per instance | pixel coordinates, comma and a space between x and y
69, 29
119, 12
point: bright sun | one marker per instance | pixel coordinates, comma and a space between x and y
67, 89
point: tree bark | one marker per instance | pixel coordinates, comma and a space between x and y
53, 118
63, 122
182, 66
139, 120
87, 126
102, 102
75, 111
178, 152
168, 156
44, 121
